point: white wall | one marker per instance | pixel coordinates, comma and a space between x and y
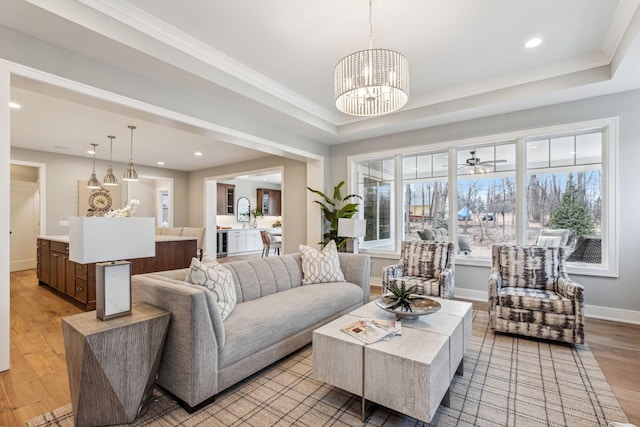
63, 173
620, 294
5, 187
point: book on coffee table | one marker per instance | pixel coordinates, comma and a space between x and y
373, 330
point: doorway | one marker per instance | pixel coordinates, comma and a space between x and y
24, 215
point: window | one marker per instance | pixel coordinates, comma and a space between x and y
564, 191
376, 186
486, 198
512, 188
426, 188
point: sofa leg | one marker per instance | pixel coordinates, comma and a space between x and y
192, 409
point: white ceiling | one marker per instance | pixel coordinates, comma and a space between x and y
274, 60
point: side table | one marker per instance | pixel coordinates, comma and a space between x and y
113, 365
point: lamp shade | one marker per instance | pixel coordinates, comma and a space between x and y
352, 227
97, 239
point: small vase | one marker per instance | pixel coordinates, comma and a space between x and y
254, 223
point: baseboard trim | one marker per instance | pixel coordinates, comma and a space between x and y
592, 311
613, 314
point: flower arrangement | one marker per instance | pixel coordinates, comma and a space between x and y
124, 212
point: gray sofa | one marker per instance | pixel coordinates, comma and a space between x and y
274, 316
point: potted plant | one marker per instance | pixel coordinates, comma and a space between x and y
334, 208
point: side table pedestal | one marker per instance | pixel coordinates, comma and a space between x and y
113, 365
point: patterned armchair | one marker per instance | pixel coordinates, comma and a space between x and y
429, 265
531, 294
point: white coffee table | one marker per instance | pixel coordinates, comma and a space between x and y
410, 373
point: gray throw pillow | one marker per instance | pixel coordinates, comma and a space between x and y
430, 234
464, 243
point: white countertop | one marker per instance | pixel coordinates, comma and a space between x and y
65, 238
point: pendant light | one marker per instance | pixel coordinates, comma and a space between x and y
371, 82
110, 178
93, 182
130, 173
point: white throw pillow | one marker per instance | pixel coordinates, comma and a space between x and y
320, 267
549, 241
217, 279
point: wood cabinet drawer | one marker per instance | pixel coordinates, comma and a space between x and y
80, 290
81, 271
59, 247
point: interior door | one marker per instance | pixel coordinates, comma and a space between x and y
25, 214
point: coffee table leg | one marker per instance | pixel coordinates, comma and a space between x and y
446, 400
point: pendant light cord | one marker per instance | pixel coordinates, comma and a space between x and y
131, 151
370, 26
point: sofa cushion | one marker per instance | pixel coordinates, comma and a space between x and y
535, 299
321, 267
423, 286
534, 267
258, 324
218, 280
423, 259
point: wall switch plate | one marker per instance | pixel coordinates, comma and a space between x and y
63, 223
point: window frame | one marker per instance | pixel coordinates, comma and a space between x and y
610, 209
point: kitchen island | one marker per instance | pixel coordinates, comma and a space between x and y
77, 282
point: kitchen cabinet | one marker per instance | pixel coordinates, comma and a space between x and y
245, 240
225, 199
269, 201
254, 241
237, 241
77, 282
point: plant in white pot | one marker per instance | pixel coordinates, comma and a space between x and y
334, 208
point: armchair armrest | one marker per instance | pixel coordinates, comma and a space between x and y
495, 283
388, 272
575, 292
569, 289
446, 283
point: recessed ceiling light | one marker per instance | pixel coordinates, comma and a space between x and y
15, 105
534, 42
161, 163
197, 153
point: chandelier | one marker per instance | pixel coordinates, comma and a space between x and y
371, 82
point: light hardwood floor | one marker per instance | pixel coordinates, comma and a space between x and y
37, 381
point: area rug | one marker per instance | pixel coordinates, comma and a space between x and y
508, 381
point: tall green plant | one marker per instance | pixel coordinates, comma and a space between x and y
334, 208
571, 213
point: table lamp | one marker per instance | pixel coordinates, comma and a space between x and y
353, 228
100, 239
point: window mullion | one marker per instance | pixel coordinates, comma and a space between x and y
453, 194
521, 192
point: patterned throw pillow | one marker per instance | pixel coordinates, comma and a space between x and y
321, 267
217, 279
548, 241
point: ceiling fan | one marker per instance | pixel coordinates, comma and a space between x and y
475, 161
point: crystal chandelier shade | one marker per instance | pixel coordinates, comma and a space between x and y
371, 82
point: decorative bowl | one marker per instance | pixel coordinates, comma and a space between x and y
419, 305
